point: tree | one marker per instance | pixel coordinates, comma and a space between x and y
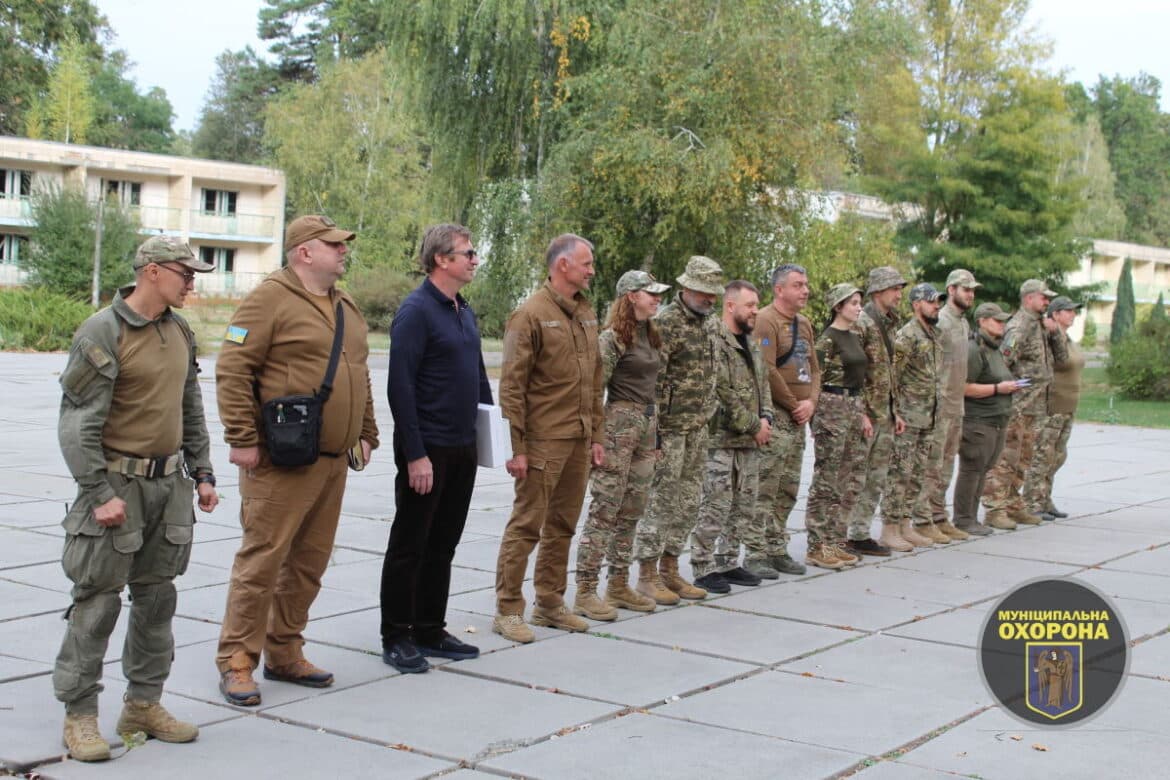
124, 118
1085, 166
348, 150
66, 112
1125, 307
231, 123
62, 243
1158, 313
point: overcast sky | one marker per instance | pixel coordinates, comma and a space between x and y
175, 43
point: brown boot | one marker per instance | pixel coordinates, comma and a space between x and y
618, 594
668, 571
910, 533
893, 539
588, 604
822, 556
1023, 517
153, 720
844, 556
951, 532
932, 532
1001, 521
650, 584
84, 739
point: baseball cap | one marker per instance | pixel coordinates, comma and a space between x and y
169, 249
632, 281
991, 311
1036, 286
883, 278
312, 226
838, 293
1063, 303
961, 277
926, 292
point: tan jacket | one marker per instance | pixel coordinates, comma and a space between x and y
551, 381
279, 343
799, 379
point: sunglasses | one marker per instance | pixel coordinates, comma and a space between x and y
468, 253
188, 276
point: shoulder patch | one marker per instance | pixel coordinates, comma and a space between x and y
97, 356
235, 334
550, 323
765, 341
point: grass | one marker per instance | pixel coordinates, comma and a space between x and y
1101, 402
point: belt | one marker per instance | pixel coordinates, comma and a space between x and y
838, 390
150, 468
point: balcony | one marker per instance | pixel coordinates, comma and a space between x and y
162, 218
1142, 293
257, 228
228, 285
16, 212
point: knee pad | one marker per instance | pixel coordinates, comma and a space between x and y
97, 615
154, 603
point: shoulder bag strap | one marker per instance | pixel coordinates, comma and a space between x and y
791, 347
334, 356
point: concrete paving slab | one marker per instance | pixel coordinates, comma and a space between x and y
18, 600
12, 668
1130, 585
365, 576
27, 548
39, 638
957, 627
1143, 618
361, 631
896, 770
208, 603
973, 562
415, 710
1143, 561
29, 513
1152, 658
1059, 543
58, 487
953, 589
615, 748
362, 534
1132, 518
820, 712
222, 553
481, 554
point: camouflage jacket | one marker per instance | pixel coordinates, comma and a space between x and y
1030, 351
954, 333
686, 381
880, 388
917, 356
743, 393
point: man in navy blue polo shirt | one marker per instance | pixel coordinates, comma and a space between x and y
437, 380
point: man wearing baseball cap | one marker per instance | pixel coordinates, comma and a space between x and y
278, 344
134, 437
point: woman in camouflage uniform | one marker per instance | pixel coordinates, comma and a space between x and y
631, 360
838, 428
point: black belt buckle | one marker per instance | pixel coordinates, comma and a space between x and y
156, 467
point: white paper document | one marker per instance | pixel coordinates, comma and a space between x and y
493, 437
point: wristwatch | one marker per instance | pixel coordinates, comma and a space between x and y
207, 478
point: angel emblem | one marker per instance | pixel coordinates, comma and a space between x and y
1055, 671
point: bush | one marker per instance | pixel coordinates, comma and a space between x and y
1139, 366
1089, 338
379, 291
34, 318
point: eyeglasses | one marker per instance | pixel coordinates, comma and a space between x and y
188, 276
468, 253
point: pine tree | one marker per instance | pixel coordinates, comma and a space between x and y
1125, 306
1158, 314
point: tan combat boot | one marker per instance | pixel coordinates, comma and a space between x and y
668, 571
1023, 517
84, 739
822, 556
618, 594
931, 531
910, 533
558, 617
513, 628
845, 556
586, 602
893, 539
1001, 521
951, 531
650, 584
152, 719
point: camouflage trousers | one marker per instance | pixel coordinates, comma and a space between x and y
619, 491
727, 514
906, 495
872, 480
780, 463
1049, 455
146, 552
839, 467
674, 496
948, 437
1001, 490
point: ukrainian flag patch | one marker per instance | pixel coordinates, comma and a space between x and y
235, 334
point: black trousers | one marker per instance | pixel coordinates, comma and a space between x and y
416, 573
979, 450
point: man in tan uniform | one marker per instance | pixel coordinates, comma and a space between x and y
550, 392
278, 344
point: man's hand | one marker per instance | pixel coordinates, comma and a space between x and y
420, 475
764, 434
803, 411
1050, 325
208, 498
244, 457
899, 425
517, 466
110, 514
598, 454
367, 451
866, 426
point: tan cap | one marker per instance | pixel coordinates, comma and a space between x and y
985, 311
633, 281
169, 249
702, 275
312, 226
1036, 286
961, 277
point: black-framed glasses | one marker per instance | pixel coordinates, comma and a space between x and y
188, 276
468, 253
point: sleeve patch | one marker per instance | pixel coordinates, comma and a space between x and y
235, 334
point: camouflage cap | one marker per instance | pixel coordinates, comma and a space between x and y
961, 277
168, 249
840, 292
884, 278
312, 226
926, 292
985, 311
1063, 303
633, 281
702, 275
1036, 286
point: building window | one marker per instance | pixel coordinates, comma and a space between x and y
223, 259
15, 184
128, 193
12, 248
219, 202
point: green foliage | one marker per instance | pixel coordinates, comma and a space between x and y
1089, 337
378, 292
62, 243
124, 118
1139, 365
66, 112
1125, 308
39, 319
231, 122
1158, 313
1085, 166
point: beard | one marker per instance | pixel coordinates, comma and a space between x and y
930, 319
745, 325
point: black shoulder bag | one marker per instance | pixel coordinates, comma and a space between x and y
292, 423
780, 359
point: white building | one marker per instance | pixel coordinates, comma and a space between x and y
231, 214
1150, 266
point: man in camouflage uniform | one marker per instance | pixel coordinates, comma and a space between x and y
917, 355
876, 325
1029, 353
742, 424
131, 423
686, 401
954, 334
794, 379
